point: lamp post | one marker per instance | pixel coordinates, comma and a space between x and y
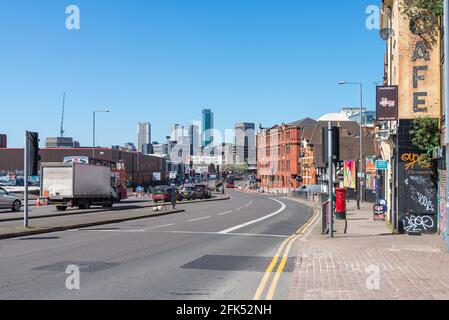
361, 173
93, 129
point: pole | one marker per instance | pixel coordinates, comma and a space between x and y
361, 178
330, 174
93, 136
25, 178
446, 104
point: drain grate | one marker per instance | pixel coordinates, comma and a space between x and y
89, 267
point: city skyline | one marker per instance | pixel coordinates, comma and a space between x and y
170, 70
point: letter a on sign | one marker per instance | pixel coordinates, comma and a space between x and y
73, 20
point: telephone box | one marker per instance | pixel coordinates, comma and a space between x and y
340, 204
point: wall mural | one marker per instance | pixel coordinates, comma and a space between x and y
350, 175
371, 173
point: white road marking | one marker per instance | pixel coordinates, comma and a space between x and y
250, 203
223, 213
204, 218
165, 225
111, 230
230, 234
240, 226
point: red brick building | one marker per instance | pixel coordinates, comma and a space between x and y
279, 154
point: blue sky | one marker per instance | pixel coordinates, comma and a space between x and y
262, 61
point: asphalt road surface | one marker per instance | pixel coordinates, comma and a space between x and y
217, 250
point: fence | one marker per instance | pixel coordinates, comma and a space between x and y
307, 195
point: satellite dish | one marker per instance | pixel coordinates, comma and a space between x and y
386, 33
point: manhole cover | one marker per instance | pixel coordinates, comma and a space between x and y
235, 263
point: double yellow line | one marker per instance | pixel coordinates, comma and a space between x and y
287, 244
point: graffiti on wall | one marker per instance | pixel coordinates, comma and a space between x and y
350, 178
412, 161
420, 224
421, 193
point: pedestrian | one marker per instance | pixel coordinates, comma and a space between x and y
173, 198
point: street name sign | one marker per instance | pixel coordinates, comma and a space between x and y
382, 165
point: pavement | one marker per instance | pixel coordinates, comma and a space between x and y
369, 263
221, 250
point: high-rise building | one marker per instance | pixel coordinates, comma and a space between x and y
208, 126
177, 133
245, 144
144, 138
195, 139
3, 141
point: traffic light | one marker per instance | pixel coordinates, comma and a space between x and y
33, 153
335, 144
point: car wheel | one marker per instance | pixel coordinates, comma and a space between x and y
16, 206
84, 205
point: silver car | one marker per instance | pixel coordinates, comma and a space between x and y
9, 201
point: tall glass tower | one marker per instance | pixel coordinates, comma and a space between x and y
208, 126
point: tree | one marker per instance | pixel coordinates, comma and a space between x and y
423, 16
426, 137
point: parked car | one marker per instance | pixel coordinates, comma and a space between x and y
188, 193
311, 189
203, 191
164, 194
9, 201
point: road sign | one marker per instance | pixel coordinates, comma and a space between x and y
382, 165
173, 175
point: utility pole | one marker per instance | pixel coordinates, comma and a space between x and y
331, 182
362, 164
26, 166
361, 172
446, 105
62, 117
93, 136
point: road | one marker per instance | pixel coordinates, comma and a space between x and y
217, 250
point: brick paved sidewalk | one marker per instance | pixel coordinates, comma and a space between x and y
410, 267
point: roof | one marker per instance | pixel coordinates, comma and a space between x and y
307, 133
307, 122
334, 117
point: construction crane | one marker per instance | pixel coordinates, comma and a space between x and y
62, 117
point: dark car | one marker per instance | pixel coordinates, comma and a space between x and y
164, 194
188, 193
203, 191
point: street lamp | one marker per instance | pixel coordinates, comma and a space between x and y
360, 189
93, 129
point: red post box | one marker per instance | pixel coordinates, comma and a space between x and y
340, 204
